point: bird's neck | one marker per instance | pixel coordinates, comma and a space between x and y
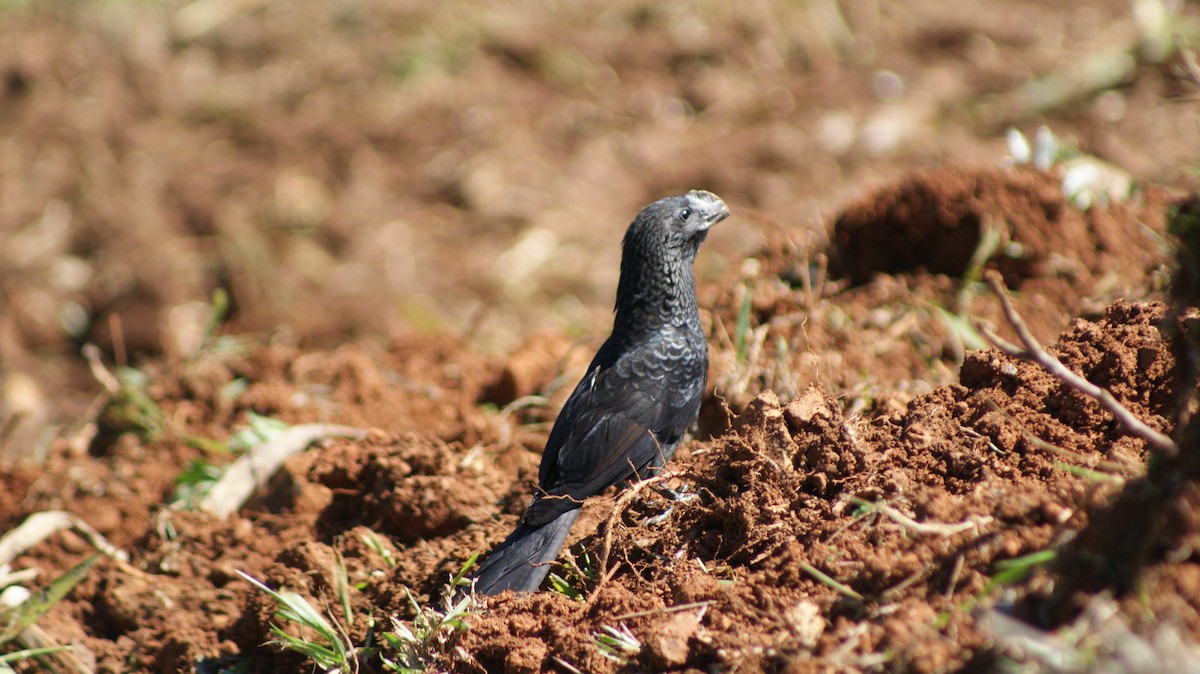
655, 292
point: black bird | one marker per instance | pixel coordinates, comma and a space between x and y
641, 391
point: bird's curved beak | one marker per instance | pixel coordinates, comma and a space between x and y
709, 207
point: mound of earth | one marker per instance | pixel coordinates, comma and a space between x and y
877, 311
819, 540
938, 220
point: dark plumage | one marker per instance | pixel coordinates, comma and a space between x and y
641, 391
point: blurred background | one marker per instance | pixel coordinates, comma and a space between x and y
347, 169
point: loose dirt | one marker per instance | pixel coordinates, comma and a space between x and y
415, 213
816, 539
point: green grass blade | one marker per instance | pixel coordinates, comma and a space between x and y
30, 653
743, 326
25, 614
1010, 571
341, 583
560, 585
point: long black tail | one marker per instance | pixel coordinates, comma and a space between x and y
522, 561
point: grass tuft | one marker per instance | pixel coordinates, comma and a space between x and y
417, 645
329, 648
617, 644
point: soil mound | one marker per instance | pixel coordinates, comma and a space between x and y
938, 221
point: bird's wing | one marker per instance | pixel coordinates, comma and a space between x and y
624, 417
609, 446
601, 447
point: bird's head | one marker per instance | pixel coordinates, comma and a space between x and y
657, 282
679, 223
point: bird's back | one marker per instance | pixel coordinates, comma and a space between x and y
625, 417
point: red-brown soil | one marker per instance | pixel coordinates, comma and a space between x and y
415, 210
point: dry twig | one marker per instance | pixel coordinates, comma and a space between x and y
666, 609
1156, 441
1115, 468
255, 468
938, 528
39, 526
603, 572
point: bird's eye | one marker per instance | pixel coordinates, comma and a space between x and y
685, 214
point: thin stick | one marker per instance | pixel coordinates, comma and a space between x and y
605, 573
922, 527
955, 572
566, 665
1033, 351
665, 609
91, 352
38, 526
1055, 449
255, 468
828, 580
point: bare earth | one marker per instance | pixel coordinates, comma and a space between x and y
416, 212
